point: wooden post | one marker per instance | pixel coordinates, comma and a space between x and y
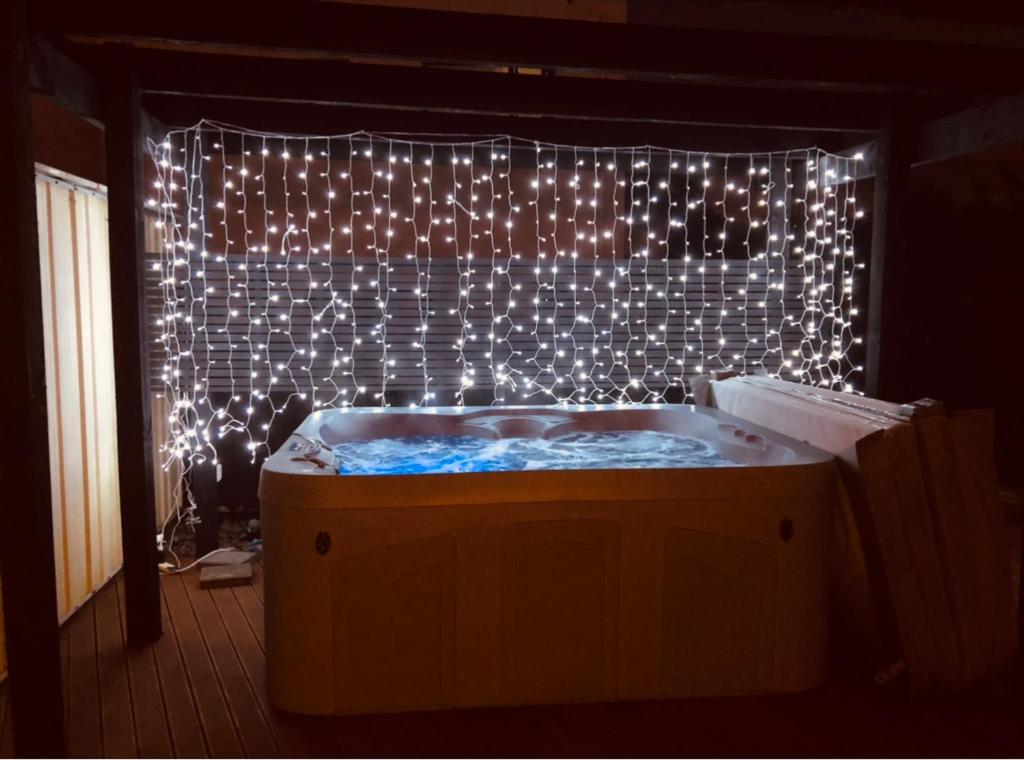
204, 490
888, 245
120, 105
26, 527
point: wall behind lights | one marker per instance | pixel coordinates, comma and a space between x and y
959, 291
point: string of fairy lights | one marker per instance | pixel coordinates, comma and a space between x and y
367, 269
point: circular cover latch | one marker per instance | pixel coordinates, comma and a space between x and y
323, 542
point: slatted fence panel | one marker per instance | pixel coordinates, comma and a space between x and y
665, 300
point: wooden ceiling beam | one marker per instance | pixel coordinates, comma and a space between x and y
476, 92
319, 119
973, 130
720, 56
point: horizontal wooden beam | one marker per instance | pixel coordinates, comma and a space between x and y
964, 133
335, 82
341, 83
481, 39
320, 119
972, 131
65, 81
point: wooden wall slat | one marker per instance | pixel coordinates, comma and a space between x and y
78, 351
82, 391
229, 339
105, 414
3, 649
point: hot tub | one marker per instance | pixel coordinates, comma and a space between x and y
552, 575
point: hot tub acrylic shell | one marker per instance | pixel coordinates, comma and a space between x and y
401, 592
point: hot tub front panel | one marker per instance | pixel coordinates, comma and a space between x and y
544, 602
430, 591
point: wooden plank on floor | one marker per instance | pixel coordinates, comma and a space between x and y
347, 735
255, 735
148, 705
389, 733
292, 736
459, 735
252, 606
116, 702
257, 580
6, 733
484, 732
353, 734
218, 728
85, 735
65, 665
586, 729
428, 742
320, 737
182, 715
4, 728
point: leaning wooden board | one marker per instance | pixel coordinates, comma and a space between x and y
891, 472
921, 496
958, 458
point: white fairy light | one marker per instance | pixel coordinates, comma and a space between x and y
362, 269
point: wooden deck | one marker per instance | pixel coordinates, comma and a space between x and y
200, 692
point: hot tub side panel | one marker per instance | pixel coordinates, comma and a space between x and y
394, 608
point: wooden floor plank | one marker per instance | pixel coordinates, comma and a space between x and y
207, 673
148, 707
65, 666
257, 741
353, 734
459, 735
292, 737
7, 731
589, 730
252, 606
116, 705
425, 738
485, 732
257, 581
4, 727
85, 728
218, 728
390, 735
183, 722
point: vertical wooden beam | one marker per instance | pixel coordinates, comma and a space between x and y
894, 148
121, 108
205, 491
26, 527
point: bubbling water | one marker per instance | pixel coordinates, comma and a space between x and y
437, 454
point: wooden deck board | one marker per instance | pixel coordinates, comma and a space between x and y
65, 666
207, 690
288, 736
116, 712
201, 691
85, 727
244, 707
183, 724
148, 706
5, 750
252, 606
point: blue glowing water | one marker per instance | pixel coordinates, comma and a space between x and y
431, 454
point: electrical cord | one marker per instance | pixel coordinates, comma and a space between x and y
176, 570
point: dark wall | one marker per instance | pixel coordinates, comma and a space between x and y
959, 293
67, 142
